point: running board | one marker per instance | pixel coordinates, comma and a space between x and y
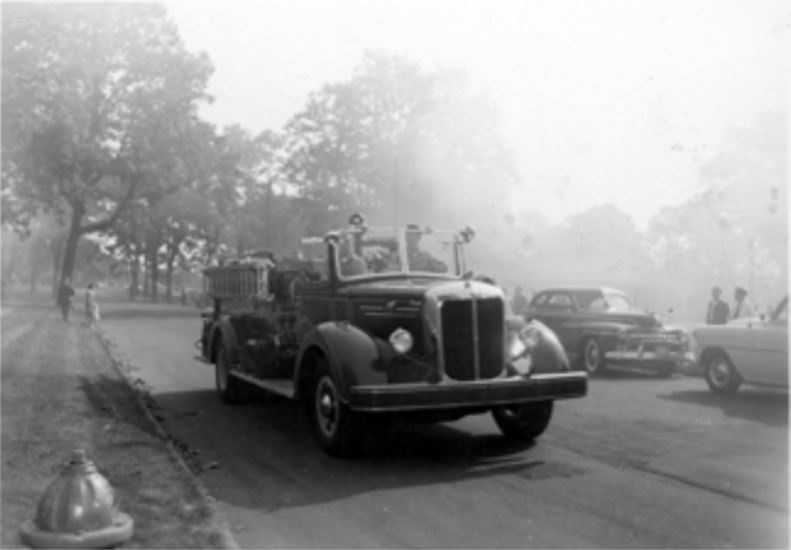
280, 386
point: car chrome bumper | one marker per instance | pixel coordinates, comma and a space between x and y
640, 356
478, 393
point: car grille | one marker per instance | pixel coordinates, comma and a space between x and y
458, 341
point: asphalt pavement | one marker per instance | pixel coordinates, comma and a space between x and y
640, 462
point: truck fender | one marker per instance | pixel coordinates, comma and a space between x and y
549, 355
350, 352
223, 331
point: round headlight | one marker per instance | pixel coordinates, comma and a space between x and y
516, 347
530, 336
401, 340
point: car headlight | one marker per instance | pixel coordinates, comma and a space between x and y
401, 340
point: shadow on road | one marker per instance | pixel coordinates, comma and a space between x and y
764, 406
266, 456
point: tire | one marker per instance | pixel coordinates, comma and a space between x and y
228, 387
720, 375
523, 422
336, 427
592, 359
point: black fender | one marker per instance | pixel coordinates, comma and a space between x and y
351, 353
549, 355
223, 331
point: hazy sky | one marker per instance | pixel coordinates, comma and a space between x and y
604, 101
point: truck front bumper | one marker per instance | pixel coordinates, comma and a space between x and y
478, 393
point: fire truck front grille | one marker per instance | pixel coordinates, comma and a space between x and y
461, 319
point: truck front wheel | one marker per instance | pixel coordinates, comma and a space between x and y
336, 427
228, 387
524, 422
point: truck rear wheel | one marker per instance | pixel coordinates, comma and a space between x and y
337, 428
524, 422
228, 387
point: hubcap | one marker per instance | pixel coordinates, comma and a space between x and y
326, 407
592, 355
720, 373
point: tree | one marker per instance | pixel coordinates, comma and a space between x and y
396, 139
734, 231
95, 98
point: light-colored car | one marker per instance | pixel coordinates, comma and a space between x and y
744, 351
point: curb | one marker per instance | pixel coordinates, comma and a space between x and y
226, 539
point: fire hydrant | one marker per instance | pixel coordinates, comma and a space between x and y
78, 510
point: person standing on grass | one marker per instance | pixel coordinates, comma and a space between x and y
91, 306
65, 296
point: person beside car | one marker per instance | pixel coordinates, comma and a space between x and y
742, 307
718, 310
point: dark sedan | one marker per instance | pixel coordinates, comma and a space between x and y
599, 326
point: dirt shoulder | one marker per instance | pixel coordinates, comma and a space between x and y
61, 390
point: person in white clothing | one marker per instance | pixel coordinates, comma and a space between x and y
741, 308
91, 306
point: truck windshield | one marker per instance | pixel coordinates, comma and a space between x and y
382, 251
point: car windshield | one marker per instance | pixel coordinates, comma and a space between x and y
595, 300
383, 251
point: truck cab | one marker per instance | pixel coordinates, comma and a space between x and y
369, 322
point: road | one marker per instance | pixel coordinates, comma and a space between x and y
641, 462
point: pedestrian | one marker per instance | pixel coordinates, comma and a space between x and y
65, 296
519, 302
718, 310
742, 307
91, 306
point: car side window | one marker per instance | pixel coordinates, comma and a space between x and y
559, 301
598, 304
539, 300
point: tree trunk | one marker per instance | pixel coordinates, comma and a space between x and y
70, 252
56, 247
146, 268
134, 274
153, 278
173, 251
169, 278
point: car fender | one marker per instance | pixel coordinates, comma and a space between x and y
223, 331
351, 353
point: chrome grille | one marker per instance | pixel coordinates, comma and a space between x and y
473, 338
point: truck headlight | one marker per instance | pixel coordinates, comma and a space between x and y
523, 342
401, 340
516, 347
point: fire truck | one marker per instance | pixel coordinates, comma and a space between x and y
368, 323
